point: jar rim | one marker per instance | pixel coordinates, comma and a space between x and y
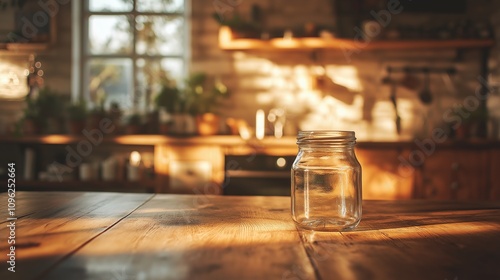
326, 136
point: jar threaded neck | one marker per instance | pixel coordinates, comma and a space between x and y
326, 138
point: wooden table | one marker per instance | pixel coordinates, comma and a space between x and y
144, 236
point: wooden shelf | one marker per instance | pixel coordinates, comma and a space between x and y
150, 140
221, 140
226, 42
23, 48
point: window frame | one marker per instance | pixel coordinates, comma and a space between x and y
81, 55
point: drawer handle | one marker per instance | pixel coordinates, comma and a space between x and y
455, 166
454, 185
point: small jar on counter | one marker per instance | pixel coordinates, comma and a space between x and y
326, 181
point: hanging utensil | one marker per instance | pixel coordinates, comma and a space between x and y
409, 80
448, 82
425, 95
394, 101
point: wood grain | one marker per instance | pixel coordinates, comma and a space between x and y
48, 235
31, 202
140, 236
197, 237
412, 240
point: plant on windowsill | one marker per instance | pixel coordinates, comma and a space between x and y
51, 106
77, 115
205, 95
43, 113
97, 113
167, 103
134, 124
30, 123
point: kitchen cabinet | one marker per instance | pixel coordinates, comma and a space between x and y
193, 165
382, 178
197, 165
456, 174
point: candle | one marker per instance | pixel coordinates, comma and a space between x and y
86, 172
133, 166
260, 124
29, 164
109, 169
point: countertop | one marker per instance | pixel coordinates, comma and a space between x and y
145, 236
233, 140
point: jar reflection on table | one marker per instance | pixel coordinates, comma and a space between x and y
326, 181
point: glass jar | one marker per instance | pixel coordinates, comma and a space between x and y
326, 181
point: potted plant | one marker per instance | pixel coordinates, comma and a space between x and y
95, 116
43, 113
115, 114
169, 97
77, 115
51, 109
134, 123
30, 123
168, 104
97, 113
174, 115
205, 95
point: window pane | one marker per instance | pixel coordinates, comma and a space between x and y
110, 35
160, 6
151, 73
160, 35
112, 78
110, 5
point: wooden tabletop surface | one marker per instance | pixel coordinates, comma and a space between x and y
144, 236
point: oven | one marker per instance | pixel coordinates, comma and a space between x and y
261, 174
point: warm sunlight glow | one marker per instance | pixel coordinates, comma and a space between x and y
135, 158
346, 76
55, 139
13, 83
225, 35
260, 124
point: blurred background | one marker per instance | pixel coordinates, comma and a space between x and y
191, 96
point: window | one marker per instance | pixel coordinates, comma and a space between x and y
127, 47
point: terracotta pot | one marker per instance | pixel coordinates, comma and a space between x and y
152, 123
93, 122
30, 127
208, 124
462, 132
76, 127
133, 129
164, 128
53, 126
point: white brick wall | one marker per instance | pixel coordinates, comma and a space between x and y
252, 80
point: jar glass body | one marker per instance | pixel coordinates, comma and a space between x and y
326, 181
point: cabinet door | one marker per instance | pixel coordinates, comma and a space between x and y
381, 175
189, 169
455, 174
495, 174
